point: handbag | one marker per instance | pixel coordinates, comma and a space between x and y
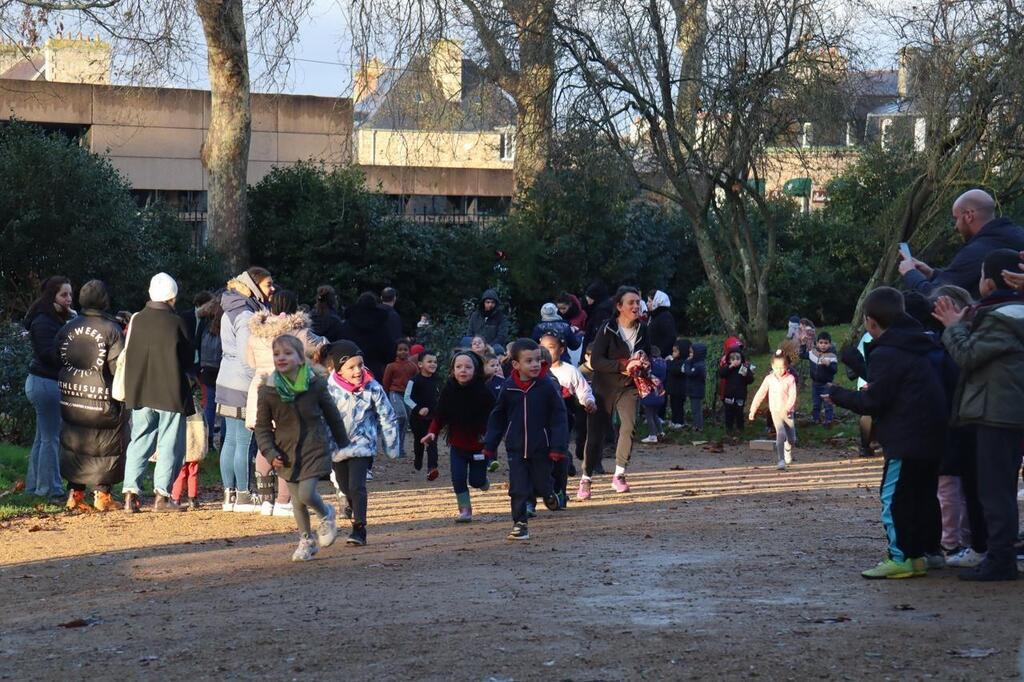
117, 389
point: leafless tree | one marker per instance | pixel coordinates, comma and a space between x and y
156, 40
694, 93
965, 63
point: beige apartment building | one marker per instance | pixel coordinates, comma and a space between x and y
153, 136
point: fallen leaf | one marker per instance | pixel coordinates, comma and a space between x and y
972, 653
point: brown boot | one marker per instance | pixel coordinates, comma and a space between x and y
76, 503
166, 504
104, 502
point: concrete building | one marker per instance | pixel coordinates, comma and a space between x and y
435, 135
153, 136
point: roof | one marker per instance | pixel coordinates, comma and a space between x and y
901, 107
29, 68
410, 99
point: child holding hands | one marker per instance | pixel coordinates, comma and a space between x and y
291, 408
780, 389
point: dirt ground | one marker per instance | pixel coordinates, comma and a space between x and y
715, 566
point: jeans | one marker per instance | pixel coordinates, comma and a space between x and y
234, 455
402, 415
653, 421
466, 468
350, 478
210, 412
160, 431
43, 476
304, 496
816, 403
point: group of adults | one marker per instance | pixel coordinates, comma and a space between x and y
108, 393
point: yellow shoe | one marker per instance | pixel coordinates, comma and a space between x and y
890, 569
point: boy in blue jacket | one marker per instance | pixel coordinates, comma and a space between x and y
695, 373
530, 415
823, 366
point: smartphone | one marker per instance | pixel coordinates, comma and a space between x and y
905, 250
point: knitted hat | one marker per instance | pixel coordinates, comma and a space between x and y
549, 313
416, 349
340, 351
162, 288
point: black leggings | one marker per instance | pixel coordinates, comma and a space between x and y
419, 427
350, 475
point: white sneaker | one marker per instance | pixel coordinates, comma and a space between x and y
229, 500
306, 549
369, 474
965, 558
283, 509
267, 508
650, 439
327, 531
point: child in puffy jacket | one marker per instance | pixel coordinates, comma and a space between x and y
655, 400
695, 372
675, 382
737, 376
823, 364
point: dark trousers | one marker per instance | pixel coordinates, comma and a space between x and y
528, 479
465, 468
733, 414
351, 477
975, 511
677, 401
419, 427
999, 458
816, 403
910, 506
866, 436
560, 475
580, 424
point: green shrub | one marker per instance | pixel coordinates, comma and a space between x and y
17, 417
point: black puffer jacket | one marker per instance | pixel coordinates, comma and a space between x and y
93, 434
42, 329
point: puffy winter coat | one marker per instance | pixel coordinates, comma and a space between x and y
264, 327
695, 371
367, 414
94, 427
241, 300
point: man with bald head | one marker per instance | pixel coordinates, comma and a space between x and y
974, 217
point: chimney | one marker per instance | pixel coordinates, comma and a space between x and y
366, 79
446, 68
77, 60
909, 72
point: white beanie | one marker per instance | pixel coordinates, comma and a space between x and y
162, 288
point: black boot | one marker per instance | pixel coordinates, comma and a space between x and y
358, 535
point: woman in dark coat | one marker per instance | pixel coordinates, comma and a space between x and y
43, 321
326, 321
366, 326
93, 435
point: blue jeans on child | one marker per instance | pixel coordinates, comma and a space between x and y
43, 477
234, 455
466, 468
154, 431
816, 403
697, 413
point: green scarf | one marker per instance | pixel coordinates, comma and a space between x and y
286, 389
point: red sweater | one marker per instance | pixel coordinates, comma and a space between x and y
464, 438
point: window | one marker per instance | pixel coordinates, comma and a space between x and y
506, 147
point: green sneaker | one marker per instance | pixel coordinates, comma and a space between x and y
890, 569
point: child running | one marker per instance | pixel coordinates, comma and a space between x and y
578, 397
396, 377
421, 398
291, 407
367, 414
463, 408
530, 417
780, 388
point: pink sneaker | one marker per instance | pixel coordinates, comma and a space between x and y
584, 491
619, 484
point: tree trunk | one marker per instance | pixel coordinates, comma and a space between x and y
225, 152
534, 91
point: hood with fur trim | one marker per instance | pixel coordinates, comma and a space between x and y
265, 325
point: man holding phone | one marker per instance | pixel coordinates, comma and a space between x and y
974, 217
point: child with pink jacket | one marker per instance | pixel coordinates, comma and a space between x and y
780, 387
